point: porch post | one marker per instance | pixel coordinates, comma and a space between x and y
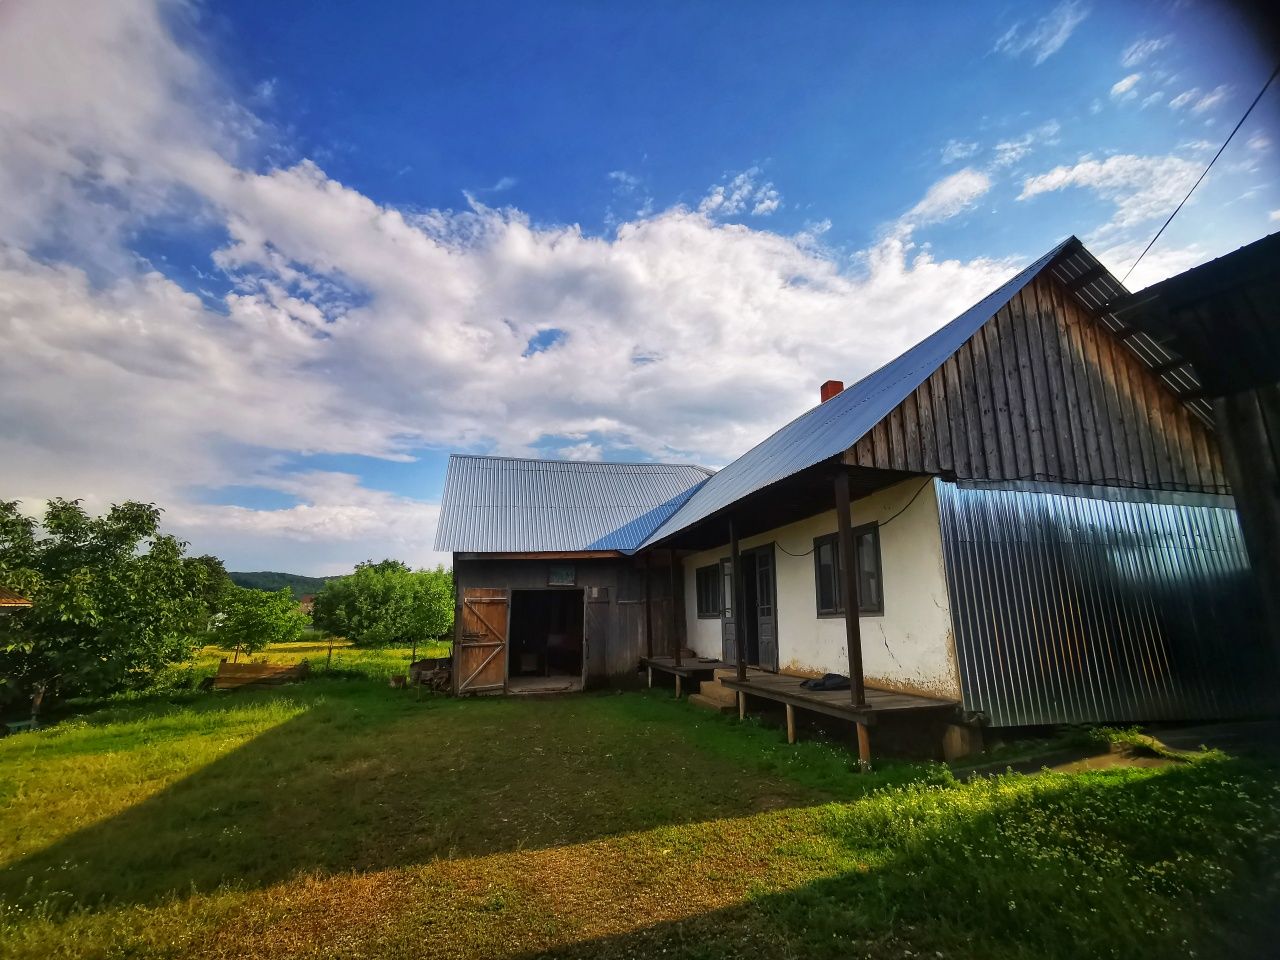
735, 570
673, 619
648, 607
849, 590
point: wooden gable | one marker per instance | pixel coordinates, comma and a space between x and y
1042, 391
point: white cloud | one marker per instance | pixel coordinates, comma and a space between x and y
1140, 188
1125, 89
335, 324
1274, 216
948, 197
1142, 50
1009, 152
1212, 98
956, 150
1259, 142
1046, 36
1185, 97
742, 191
1152, 99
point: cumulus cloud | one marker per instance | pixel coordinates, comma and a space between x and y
1140, 51
743, 191
1046, 36
335, 324
1140, 188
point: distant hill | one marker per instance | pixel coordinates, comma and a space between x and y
271, 580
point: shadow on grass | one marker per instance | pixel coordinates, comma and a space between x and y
1125, 864
367, 779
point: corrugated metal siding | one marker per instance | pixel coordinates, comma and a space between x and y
1118, 606
832, 427
505, 504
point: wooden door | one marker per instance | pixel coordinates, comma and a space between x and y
728, 624
480, 650
766, 609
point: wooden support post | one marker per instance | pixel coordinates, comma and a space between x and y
864, 747
672, 619
791, 724
651, 678
677, 686
648, 607
742, 705
849, 592
735, 572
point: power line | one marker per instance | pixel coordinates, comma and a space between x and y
1206, 170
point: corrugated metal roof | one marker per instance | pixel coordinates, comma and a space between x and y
510, 505
832, 427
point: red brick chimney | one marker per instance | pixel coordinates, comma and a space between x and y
831, 388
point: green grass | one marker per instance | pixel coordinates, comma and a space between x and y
339, 816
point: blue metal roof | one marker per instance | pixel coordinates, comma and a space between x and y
510, 505
832, 427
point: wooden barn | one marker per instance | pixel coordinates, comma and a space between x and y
551, 595
1029, 510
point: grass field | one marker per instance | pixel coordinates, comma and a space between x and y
340, 817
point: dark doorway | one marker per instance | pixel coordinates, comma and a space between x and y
545, 637
759, 631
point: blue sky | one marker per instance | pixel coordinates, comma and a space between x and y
267, 264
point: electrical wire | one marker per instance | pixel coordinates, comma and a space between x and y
882, 523
1206, 171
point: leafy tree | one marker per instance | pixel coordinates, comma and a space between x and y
113, 599
387, 603
252, 619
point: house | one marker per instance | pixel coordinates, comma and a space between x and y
10, 601
1029, 509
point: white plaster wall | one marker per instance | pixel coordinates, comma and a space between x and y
908, 648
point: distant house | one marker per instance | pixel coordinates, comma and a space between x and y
307, 603
10, 600
1028, 509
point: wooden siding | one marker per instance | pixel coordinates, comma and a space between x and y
1044, 392
614, 596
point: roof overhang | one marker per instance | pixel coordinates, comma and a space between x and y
1221, 319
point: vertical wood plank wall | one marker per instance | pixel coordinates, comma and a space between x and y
1044, 392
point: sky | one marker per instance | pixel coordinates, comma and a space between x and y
266, 265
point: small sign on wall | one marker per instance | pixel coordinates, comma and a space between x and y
561, 575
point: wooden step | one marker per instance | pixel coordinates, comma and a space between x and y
729, 673
715, 690
706, 703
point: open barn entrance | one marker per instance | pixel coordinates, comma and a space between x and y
545, 641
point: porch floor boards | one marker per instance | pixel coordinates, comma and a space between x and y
690, 667
834, 703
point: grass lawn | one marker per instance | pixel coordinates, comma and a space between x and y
339, 817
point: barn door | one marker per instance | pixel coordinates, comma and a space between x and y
728, 625
766, 608
480, 651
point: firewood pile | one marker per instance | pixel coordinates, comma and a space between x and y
435, 673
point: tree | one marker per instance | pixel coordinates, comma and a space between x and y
113, 599
252, 619
387, 603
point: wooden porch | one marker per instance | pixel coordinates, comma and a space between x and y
696, 669
787, 690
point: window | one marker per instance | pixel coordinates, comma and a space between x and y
561, 575
827, 572
708, 588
